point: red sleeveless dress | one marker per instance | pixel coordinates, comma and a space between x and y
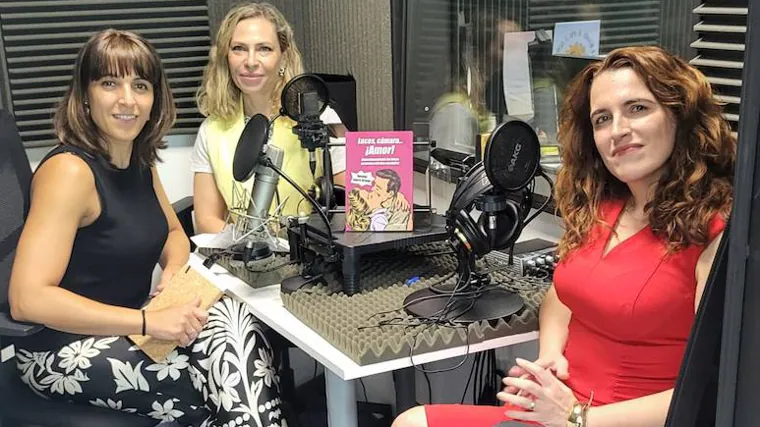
633, 309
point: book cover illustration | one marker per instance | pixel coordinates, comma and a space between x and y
379, 181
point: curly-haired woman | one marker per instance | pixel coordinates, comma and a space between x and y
644, 192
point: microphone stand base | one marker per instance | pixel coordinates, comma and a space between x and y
491, 304
292, 284
251, 251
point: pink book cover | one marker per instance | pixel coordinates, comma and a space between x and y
379, 181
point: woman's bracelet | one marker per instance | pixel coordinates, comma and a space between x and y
143, 321
578, 412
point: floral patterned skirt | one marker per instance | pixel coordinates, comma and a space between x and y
225, 378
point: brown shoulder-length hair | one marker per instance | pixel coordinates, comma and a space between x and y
697, 181
115, 53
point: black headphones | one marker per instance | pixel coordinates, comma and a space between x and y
510, 163
320, 192
497, 227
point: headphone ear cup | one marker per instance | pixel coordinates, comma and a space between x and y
323, 190
507, 227
320, 193
476, 240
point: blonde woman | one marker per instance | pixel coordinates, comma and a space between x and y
253, 57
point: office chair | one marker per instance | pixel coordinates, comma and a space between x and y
19, 406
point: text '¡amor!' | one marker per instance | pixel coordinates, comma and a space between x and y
379, 146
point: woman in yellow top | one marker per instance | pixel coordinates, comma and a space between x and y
252, 59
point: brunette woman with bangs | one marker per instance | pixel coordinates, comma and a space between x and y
99, 222
644, 191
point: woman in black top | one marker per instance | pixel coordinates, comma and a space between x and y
98, 224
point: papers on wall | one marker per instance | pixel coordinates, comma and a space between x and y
518, 90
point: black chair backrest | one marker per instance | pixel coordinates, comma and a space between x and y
15, 181
695, 394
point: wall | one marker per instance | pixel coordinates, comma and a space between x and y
354, 37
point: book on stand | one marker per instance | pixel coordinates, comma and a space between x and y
379, 181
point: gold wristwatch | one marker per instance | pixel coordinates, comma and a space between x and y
577, 415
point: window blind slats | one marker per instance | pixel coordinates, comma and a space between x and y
719, 45
91, 13
73, 56
116, 22
702, 44
72, 3
150, 33
712, 10
41, 40
75, 46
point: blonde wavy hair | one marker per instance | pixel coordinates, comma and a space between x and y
218, 97
697, 182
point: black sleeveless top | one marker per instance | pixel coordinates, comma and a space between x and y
113, 258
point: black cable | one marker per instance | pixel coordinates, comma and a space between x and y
437, 318
540, 210
467, 384
430, 389
268, 162
494, 378
475, 380
364, 389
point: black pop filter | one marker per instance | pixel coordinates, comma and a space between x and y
512, 155
248, 150
304, 94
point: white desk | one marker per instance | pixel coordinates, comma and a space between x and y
265, 303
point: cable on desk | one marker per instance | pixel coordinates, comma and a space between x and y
440, 319
437, 318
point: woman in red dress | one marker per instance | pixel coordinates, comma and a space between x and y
644, 191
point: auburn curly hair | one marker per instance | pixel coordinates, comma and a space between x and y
697, 181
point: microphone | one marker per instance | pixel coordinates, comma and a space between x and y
252, 155
310, 125
304, 98
264, 186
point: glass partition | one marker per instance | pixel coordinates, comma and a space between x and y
469, 64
